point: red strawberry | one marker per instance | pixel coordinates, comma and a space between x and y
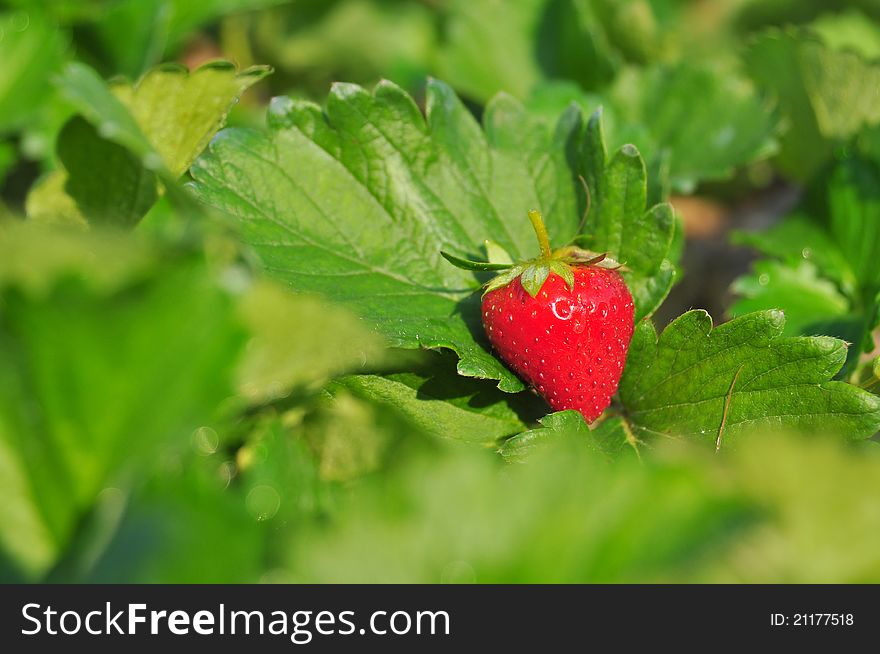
562, 322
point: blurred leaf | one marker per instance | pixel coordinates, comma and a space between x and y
728, 127
809, 302
166, 528
277, 457
99, 367
567, 516
714, 385
156, 127
854, 220
93, 99
349, 437
825, 95
32, 51
48, 203
799, 238
310, 199
8, 156
654, 109
849, 30
490, 47
106, 181
133, 35
317, 43
179, 112
168, 117
843, 240
298, 342
33, 258
443, 405
814, 497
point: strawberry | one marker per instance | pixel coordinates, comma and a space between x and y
562, 322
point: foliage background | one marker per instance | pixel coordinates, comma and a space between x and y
246, 361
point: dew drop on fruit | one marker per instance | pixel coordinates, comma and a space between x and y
578, 326
603, 310
562, 309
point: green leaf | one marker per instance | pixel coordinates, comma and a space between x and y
107, 356
349, 437
32, 51
179, 112
620, 223
355, 202
154, 128
137, 34
566, 516
488, 51
48, 203
826, 95
714, 385
849, 30
610, 437
477, 266
797, 238
93, 99
298, 343
444, 406
533, 278
168, 117
159, 530
361, 41
682, 140
843, 240
854, 219
708, 121
811, 304
496, 254
107, 182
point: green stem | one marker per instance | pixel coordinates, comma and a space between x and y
540, 232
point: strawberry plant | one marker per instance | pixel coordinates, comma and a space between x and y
312, 323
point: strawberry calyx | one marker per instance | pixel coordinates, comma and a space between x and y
534, 272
